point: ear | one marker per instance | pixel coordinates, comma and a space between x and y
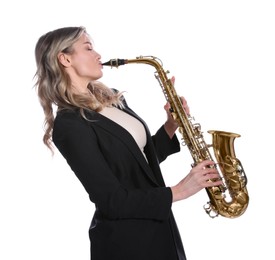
64, 59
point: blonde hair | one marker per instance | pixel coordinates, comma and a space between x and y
54, 86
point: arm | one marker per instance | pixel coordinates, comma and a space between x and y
79, 145
164, 145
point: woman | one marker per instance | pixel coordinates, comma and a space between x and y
112, 152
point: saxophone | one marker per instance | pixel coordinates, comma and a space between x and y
230, 199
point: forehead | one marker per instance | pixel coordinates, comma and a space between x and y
84, 39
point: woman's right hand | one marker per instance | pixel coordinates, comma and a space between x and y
197, 179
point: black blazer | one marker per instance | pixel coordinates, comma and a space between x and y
133, 218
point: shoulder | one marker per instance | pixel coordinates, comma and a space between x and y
67, 114
70, 125
71, 119
74, 115
66, 117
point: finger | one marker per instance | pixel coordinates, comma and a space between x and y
209, 172
213, 183
167, 106
206, 164
173, 80
185, 105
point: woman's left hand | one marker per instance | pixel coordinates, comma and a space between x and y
171, 124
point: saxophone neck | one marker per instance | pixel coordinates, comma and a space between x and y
150, 60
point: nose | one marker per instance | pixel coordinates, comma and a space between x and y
98, 55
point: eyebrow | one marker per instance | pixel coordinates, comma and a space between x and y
88, 43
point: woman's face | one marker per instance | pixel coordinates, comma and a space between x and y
85, 64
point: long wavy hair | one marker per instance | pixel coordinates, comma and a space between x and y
54, 86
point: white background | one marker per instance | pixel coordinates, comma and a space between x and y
222, 54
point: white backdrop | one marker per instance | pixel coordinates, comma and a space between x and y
222, 55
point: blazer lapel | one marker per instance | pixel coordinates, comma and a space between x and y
125, 137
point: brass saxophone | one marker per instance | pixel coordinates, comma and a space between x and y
229, 167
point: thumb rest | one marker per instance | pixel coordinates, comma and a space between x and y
230, 199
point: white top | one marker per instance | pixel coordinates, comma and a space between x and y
130, 123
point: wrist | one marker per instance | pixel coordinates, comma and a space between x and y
170, 128
177, 194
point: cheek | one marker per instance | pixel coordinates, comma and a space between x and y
86, 66
92, 70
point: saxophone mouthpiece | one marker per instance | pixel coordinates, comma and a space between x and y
115, 62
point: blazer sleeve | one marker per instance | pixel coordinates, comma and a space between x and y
165, 146
78, 144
